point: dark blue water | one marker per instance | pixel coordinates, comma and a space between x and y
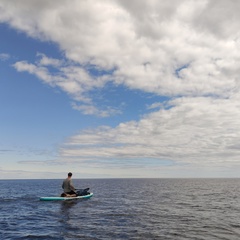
122, 209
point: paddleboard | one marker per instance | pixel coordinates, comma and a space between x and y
64, 198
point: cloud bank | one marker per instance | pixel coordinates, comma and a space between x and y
175, 48
184, 50
199, 131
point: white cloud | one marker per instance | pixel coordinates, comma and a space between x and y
46, 61
200, 131
4, 56
72, 79
146, 42
182, 49
92, 110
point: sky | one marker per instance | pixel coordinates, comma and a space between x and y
119, 89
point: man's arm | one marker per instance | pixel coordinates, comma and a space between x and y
71, 186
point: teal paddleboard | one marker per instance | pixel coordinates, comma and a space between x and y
64, 198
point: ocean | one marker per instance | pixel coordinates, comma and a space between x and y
196, 209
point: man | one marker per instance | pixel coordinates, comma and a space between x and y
68, 187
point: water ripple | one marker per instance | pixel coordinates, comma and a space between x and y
123, 209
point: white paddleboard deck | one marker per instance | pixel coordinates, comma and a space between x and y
65, 198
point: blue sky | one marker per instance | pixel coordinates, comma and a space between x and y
117, 89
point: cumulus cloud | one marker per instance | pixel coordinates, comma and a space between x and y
72, 79
185, 50
195, 130
46, 61
175, 48
92, 110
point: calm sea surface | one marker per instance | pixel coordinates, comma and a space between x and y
122, 209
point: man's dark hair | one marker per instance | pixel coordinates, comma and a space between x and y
69, 174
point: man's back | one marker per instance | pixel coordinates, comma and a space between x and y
67, 185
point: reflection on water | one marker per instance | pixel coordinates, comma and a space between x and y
66, 205
65, 210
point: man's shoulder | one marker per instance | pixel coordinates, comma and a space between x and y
66, 180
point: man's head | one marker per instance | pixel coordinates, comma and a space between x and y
69, 174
